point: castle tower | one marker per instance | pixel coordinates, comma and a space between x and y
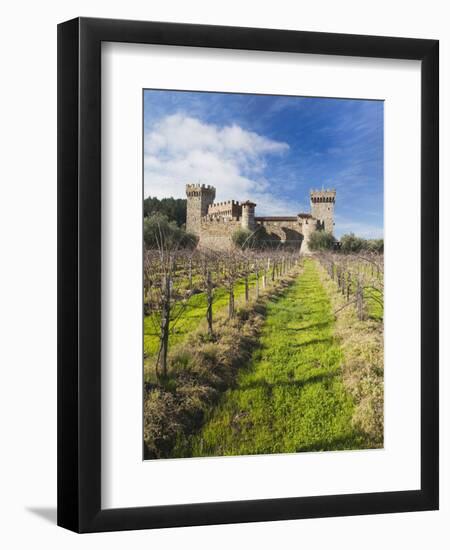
199, 197
322, 208
248, 215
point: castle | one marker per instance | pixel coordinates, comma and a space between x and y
215, 223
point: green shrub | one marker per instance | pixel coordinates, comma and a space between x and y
375, 245
350, 243
258, 239
158, 230
321, 240
243, 238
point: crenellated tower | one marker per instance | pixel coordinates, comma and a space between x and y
248, 215
199, 197
322, 208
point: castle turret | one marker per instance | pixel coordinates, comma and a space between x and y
199, 197
309, 225
248, 215
322, 208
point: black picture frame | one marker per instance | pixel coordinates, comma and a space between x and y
79, 274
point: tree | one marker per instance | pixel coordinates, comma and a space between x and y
231, 273
321, 240
375, 245
173, 209
258, 239
208, 264
157, 228
243, 238
351, 243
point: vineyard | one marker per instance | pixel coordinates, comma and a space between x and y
184, 288
251, 351
360, 278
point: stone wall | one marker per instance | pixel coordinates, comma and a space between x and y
288, 229
216, 233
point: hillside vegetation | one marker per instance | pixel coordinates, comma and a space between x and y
173, 209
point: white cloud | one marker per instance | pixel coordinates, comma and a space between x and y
180, 149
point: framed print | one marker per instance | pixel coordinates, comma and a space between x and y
248, 275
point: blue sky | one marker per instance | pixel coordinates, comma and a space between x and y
271, 149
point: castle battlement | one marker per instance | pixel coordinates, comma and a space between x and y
230, 208
200, 186
324, 195
223, 203
217, 219
200, 189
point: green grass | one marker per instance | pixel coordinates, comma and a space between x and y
291, 397
375, 309
192, 316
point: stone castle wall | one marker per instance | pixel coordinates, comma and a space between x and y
216, 233
282, 230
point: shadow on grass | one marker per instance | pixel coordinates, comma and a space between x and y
324, 324
313, 341
350, 442
314, 379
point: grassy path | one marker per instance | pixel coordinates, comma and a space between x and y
291, 397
